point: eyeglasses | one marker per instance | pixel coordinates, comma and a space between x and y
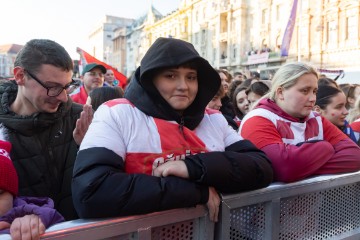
52, 91
95, 74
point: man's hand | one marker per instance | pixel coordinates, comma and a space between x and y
82, 124
213, 204
174, 168
29, 227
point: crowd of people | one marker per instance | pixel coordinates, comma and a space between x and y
181, 133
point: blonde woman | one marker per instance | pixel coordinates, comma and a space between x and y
299, 142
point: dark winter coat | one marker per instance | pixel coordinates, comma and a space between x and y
43, 149
103, 188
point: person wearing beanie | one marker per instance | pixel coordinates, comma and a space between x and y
18, 212
159, 148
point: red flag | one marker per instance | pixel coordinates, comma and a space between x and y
86, 58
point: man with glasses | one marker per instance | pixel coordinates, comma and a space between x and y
92, 77
43, 123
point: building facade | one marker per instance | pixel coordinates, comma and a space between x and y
245, 34
7, 58
100, 43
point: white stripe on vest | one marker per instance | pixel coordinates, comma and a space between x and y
291, 132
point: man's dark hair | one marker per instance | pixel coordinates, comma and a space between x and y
37, 52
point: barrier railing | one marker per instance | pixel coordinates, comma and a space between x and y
324, 207
190, 223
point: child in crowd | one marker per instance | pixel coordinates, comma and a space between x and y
352, 92
354, 114
299, 142
158, 148
215, 102
255, 92
240, 102
226, 105
22, 217
100, 95
330, 103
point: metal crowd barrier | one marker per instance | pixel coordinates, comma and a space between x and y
324, 207
189, 223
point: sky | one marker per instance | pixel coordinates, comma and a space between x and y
67, 22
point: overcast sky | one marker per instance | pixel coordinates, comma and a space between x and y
67, 22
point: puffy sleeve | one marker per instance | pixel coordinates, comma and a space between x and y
102, 188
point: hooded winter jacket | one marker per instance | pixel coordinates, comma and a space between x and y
43, 149
130, 137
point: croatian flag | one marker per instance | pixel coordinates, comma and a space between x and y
86, 58
285, 45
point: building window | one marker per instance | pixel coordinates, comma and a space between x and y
351, 27
197, 38
263, 16
278, 7
331, 32
305, 4
203, 36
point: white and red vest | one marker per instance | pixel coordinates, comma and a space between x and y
145, 142
291, 132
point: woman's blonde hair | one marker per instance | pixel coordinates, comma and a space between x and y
354, 113
287, 75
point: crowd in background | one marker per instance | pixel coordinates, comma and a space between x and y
91, 149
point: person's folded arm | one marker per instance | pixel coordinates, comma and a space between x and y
101, 188
290, 162
345, 159
241, 167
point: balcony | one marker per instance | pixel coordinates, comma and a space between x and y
223, 37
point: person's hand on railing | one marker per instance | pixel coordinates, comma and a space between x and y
213, 204
29, 227
172, 168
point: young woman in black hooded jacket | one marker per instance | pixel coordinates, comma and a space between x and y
159, 148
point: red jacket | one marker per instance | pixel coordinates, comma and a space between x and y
299, 149
81, 96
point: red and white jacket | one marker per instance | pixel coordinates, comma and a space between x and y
154, 140
299, 149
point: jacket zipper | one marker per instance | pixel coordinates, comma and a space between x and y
181, 126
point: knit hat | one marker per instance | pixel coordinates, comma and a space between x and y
8, 175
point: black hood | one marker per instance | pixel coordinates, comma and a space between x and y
164, 53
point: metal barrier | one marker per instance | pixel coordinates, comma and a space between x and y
189, 223
324, 207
